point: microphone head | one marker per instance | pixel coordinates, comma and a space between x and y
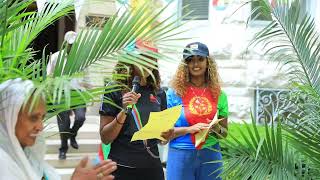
135, 83
136, 80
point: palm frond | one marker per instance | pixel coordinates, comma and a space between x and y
292, 41
61, 96
19, 29
92, 45
26, 34
263, 156
304, 128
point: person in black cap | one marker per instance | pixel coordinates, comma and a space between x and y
138, 159
196, 86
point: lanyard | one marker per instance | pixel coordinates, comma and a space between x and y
137, 119
136, 116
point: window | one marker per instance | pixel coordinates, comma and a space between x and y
196, 9
96, 20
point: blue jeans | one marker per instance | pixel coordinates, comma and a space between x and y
191, 164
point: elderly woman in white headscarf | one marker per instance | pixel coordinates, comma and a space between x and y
22, 145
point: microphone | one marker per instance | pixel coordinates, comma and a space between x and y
135, 83
135, 86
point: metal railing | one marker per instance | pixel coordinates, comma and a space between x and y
271, 103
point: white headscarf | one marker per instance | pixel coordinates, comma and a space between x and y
18, 163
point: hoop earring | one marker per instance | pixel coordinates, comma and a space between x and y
208, 74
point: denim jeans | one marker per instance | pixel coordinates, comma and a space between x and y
191, 164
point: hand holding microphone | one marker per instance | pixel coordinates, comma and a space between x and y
135, 83
131, 98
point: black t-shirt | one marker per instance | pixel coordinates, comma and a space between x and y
134, 154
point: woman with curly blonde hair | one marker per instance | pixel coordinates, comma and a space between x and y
196, 87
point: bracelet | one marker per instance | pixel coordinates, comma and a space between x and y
118, 121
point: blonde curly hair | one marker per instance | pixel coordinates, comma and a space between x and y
181, 78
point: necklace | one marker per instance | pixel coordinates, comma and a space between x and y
197, 95
193, 84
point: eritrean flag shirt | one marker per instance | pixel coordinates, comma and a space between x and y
198, 106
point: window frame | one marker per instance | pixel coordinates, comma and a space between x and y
180, 3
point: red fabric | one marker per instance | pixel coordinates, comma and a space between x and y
148, 45
199, 107
215, 2
153, 99
100, 152
273, 3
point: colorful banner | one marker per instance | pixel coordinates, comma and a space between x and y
220, 5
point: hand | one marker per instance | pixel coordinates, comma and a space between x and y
216, 128
167, 135
197, 127
102, 171
130, 98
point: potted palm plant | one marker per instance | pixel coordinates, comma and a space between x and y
289, 148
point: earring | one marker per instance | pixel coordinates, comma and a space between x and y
208, 74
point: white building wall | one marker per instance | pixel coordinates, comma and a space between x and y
242, 70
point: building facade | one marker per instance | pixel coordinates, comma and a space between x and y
243, 70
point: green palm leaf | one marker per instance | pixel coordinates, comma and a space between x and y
292, 39
304, 127
262, 156
92, 46
19, 29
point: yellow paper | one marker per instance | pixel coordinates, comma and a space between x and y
158, 122
201, 135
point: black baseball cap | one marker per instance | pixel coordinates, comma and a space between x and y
195, 49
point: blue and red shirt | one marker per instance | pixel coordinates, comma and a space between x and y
199, 105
